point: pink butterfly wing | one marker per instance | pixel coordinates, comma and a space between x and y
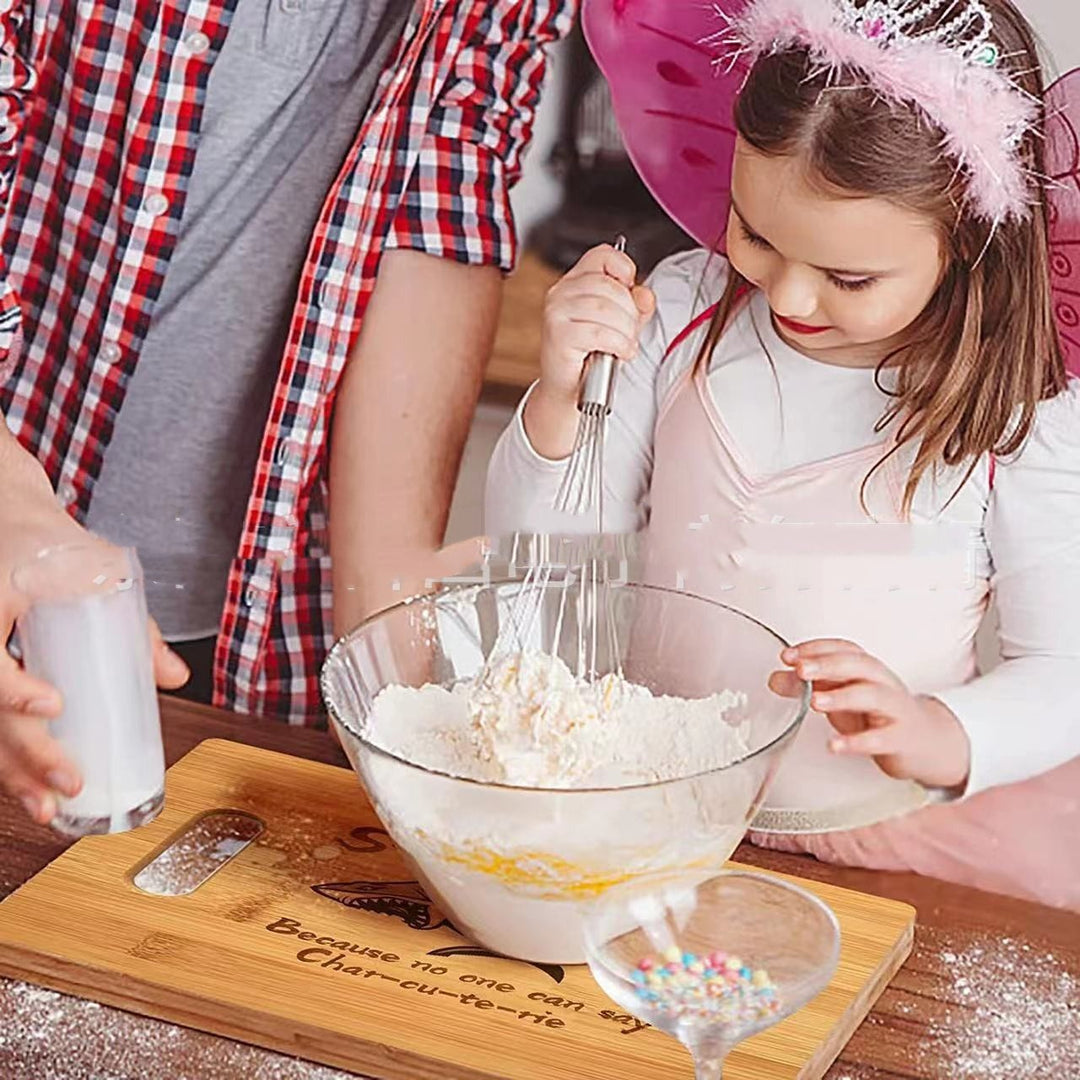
1063, 167
673, 103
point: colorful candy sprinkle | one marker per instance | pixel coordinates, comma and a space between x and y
715, 987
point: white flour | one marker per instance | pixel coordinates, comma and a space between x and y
581, 787
531, 723
999, 1008
1015, 1012
49, 1036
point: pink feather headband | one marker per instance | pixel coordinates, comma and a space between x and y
949, 72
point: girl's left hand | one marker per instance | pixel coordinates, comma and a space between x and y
911, 737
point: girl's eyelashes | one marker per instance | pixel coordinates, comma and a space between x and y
846, 284
753, 239
852, 284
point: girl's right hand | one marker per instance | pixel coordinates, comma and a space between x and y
595, 306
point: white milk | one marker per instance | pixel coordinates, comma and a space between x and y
94, 648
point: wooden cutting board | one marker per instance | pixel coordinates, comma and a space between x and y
313, 941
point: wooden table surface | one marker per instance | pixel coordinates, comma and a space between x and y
991, 991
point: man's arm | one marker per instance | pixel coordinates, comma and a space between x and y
29, 511
408, 393
401, 418
32, 766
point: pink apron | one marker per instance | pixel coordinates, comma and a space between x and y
798, 551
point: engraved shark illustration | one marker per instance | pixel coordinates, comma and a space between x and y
407, 901
403, 900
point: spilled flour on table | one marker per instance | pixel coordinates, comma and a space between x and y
986, 1008
971, 1006
1016, 1013
50, 1036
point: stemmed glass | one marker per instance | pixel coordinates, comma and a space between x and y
711, 958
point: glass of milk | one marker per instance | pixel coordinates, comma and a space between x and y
85, 632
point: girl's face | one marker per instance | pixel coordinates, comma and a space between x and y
845, 277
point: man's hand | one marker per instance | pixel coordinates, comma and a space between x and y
32, 765
407, 574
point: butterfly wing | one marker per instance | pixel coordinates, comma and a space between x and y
1063, 167
673, 97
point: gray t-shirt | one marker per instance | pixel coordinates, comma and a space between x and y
285, 100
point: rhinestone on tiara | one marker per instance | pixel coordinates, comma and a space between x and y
963, 26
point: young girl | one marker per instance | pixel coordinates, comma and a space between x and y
858, 428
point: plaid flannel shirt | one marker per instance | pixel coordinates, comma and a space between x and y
100, 106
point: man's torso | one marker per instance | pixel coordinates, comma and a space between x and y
284, 103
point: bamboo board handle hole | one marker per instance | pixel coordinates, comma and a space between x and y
197, 851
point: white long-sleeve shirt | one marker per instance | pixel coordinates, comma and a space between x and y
1023, 717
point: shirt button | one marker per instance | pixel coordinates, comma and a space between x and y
111, 352
68, 495
197, 43
283, 453
156, 204
329, 294
251, 596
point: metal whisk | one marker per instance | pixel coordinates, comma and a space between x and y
582, 484
566, 577
582, 569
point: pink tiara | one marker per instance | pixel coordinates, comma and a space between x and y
946, 67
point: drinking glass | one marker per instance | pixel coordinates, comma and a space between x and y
85, 632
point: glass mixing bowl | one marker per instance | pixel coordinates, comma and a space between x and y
510, 865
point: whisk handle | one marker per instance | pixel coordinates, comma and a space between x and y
598, 384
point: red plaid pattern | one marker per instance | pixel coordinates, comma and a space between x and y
108, 145
16, 80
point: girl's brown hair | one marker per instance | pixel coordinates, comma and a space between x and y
985, 351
